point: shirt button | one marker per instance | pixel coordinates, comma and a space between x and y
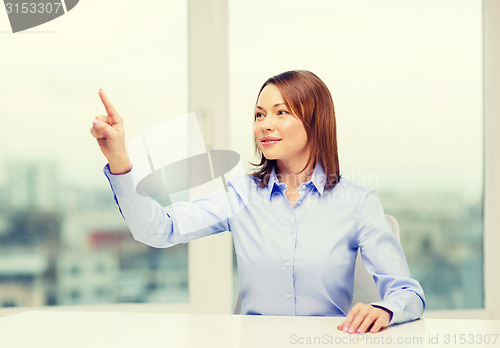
288, 295
290, 231
299, 202
287, 263
303, 186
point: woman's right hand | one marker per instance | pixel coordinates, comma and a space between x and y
109, 132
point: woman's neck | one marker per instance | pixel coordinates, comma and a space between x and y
292, 175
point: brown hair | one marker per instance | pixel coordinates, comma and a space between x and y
310, 100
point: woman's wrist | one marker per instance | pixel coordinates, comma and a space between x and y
119, 165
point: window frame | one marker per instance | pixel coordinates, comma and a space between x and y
210, 258
491, 76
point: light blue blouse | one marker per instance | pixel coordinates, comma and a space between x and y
292, 260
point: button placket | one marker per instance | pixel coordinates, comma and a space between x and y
287, 263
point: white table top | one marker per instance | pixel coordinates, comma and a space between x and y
99, 329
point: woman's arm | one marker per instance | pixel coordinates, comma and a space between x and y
402, 297
162, 227
149, 222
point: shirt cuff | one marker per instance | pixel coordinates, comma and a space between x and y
121, 184
390, 308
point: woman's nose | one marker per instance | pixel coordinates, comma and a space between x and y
267, 123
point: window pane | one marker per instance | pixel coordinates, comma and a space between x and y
62, 238
406, 79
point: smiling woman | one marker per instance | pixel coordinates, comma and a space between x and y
294, 132
304, 114
295, 256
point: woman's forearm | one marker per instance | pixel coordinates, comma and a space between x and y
119, 164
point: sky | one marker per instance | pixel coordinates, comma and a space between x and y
405, 76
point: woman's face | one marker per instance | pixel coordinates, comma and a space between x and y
274, 121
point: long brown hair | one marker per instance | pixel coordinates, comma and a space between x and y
310, 100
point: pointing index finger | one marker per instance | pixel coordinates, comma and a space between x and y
110, 109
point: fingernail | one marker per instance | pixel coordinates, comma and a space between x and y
345, 329
359, 330
351, 331
95, 121
372, 331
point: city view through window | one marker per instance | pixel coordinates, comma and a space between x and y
62, 238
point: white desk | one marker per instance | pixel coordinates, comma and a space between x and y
98, 329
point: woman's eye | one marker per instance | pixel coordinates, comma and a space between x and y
258, 115
283, 112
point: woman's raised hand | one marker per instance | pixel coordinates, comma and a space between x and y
109, 132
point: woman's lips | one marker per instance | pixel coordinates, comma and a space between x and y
270, 142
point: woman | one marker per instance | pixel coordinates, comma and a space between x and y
298, 224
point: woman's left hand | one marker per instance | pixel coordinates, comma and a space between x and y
362, 316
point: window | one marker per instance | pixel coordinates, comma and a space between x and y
56, 205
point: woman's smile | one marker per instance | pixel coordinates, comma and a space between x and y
270, 142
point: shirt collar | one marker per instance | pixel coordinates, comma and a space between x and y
318, 179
